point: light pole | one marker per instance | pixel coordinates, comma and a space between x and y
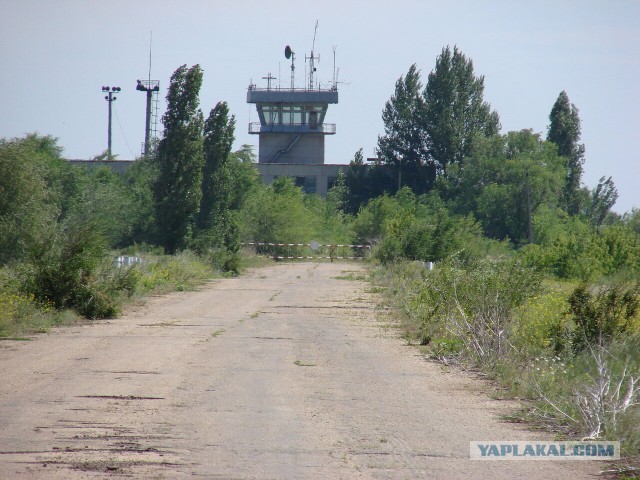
149, 86
110, 98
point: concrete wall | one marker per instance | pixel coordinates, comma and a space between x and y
318, 176
117, 166
323, 174
308, 149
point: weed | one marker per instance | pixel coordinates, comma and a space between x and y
344, 277
299, 363
273, 297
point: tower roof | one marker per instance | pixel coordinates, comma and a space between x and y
298, 96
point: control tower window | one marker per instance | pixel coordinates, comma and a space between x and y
292, 115
270, 113
286, 114
297, 115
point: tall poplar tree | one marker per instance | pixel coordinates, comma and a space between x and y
217, 185
455, 110
177, 190
564, 131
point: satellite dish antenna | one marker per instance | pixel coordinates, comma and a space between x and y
290, 54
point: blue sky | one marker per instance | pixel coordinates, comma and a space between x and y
56, 55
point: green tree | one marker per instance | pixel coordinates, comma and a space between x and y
177, 190
415, 227
564, 131
139, 180
25, 198
365, 182
244, 175
104, 200
214, 219
632, 220
603, 198
277, 213
455, 111
404, 144
496, 179
338, 195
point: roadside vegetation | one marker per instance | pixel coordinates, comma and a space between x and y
536, 280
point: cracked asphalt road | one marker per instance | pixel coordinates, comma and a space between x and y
284, 373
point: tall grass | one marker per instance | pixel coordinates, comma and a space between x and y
572, 351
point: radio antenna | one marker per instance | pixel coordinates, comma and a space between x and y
150, 45
289, 54
312, 58
335, 85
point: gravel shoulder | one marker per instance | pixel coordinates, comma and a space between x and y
284, 373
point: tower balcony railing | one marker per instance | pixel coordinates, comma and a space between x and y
323, 128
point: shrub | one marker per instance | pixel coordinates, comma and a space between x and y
21, 313
67, 266
603, 313
172, 272
542, 323
417, 228
466, 307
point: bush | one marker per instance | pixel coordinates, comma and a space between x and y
21, 313
602, 314
496, 315
179, 272
417, 228
542, 323
67, 266
594, 394
276, 213
468, 306
223, 260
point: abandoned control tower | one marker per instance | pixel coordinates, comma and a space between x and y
292, 129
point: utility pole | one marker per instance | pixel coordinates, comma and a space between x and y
110, 98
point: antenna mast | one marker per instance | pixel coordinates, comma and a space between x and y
269, 78
335, 81
151, 88
289, 54
150, 45
312, 58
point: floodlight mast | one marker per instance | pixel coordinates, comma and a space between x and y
110, 98
151, 87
